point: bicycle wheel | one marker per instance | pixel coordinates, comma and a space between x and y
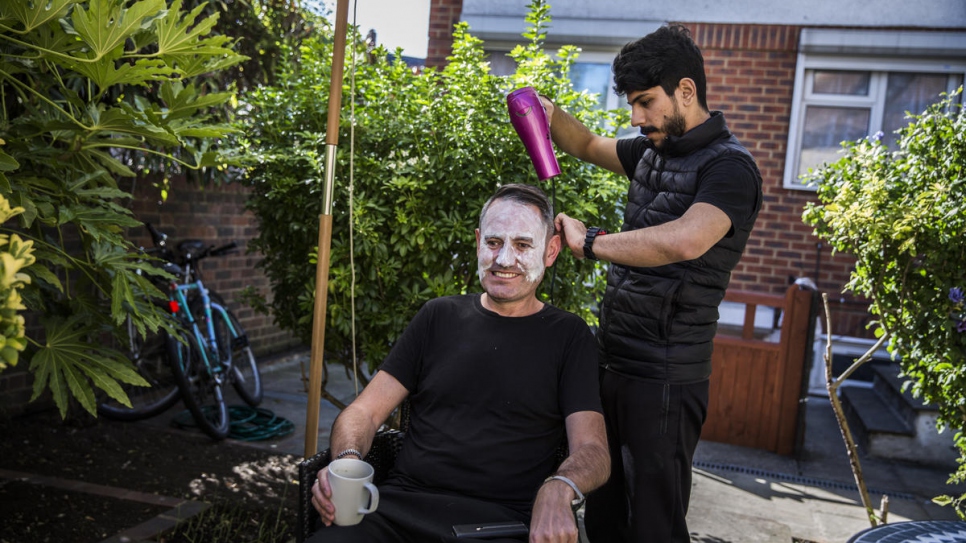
233, 342
152, 361
197, 385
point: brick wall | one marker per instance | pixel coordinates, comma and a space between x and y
213, 214
443, 14
751, 77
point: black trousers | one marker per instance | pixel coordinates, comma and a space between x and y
418, 517
652, 431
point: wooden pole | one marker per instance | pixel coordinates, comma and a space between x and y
325, 231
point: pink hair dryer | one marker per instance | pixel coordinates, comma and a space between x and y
531, 123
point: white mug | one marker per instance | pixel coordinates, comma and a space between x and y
352, 490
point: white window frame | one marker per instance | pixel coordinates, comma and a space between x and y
877, 52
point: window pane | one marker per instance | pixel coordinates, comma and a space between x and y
592, 77
912, 93
825, 129
849, 83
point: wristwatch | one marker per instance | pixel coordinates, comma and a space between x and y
576, 502
592, 234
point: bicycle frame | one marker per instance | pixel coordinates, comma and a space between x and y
215, 364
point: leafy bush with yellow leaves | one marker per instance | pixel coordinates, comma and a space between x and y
15, 255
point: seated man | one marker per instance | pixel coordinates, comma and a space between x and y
495, 381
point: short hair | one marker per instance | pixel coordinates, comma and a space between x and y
663, 57
524, 194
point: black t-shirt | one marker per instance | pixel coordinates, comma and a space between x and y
489, 395
724, 182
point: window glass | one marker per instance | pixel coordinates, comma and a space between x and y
824, 131
835, 82
912, 93
592, 77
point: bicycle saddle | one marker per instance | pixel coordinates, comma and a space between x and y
191, 248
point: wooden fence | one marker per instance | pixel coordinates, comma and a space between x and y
758, 375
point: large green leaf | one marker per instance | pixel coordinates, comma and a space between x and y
181, 35
184, 101
68, 355
107, 73
7, 162
112, 164
107, 24
35, 14
197, 64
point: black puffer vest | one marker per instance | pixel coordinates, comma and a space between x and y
659, 323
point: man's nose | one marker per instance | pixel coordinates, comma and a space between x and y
505, 257
637, 117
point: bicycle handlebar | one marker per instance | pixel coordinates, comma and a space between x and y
160, 242
158, 238
224, 249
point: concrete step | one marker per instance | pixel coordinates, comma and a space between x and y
889, 386
883, 433
869, 411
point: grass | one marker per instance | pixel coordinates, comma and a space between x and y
228, 522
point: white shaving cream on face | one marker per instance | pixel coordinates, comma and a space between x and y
512, 237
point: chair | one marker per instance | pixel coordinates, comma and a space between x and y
382, 456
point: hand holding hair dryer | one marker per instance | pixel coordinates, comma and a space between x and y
530, 121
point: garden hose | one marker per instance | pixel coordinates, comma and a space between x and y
245, 423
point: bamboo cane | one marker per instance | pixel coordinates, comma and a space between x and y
325, 231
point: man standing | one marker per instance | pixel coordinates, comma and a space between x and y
495, 380
693, 198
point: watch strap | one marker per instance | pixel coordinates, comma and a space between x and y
592, 234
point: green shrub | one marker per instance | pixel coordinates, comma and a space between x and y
428, 150
15, 255
902, 215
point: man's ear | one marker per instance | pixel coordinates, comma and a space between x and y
553, 250
687, 91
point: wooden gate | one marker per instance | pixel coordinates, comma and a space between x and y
757, 379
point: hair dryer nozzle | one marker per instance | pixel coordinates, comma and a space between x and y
530, 121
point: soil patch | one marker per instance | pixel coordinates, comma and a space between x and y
239, 480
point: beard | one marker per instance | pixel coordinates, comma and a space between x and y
675, 125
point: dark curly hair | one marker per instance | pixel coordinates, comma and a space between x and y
663, 57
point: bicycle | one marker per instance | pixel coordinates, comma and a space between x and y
214, 348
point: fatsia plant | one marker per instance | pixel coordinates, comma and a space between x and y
429, 148
902, 215
80, 81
